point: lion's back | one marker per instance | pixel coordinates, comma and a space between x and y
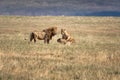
38, 35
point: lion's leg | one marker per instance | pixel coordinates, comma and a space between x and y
45, 37
48, 41
34, 40
44, 40
31, 39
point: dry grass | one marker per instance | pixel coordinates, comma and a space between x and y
94, 56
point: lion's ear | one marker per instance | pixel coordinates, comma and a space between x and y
44, 30
63, 29
52, 29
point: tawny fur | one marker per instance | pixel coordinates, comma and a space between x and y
65, 37
37, 35
45, 35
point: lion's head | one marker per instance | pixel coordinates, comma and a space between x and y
51, 31
64, 32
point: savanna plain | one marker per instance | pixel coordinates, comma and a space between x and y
94, 56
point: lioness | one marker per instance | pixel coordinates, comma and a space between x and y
65, 37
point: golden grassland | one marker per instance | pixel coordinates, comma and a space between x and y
94, 56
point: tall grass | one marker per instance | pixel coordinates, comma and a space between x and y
94, 56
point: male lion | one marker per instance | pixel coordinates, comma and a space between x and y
49, 33
45, 35
66, 38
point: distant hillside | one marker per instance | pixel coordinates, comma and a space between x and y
104, 13
60, 7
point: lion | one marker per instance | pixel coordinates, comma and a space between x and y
49, 33
66, 38
37, 35
45, 35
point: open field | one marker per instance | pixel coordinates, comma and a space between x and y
94, 56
